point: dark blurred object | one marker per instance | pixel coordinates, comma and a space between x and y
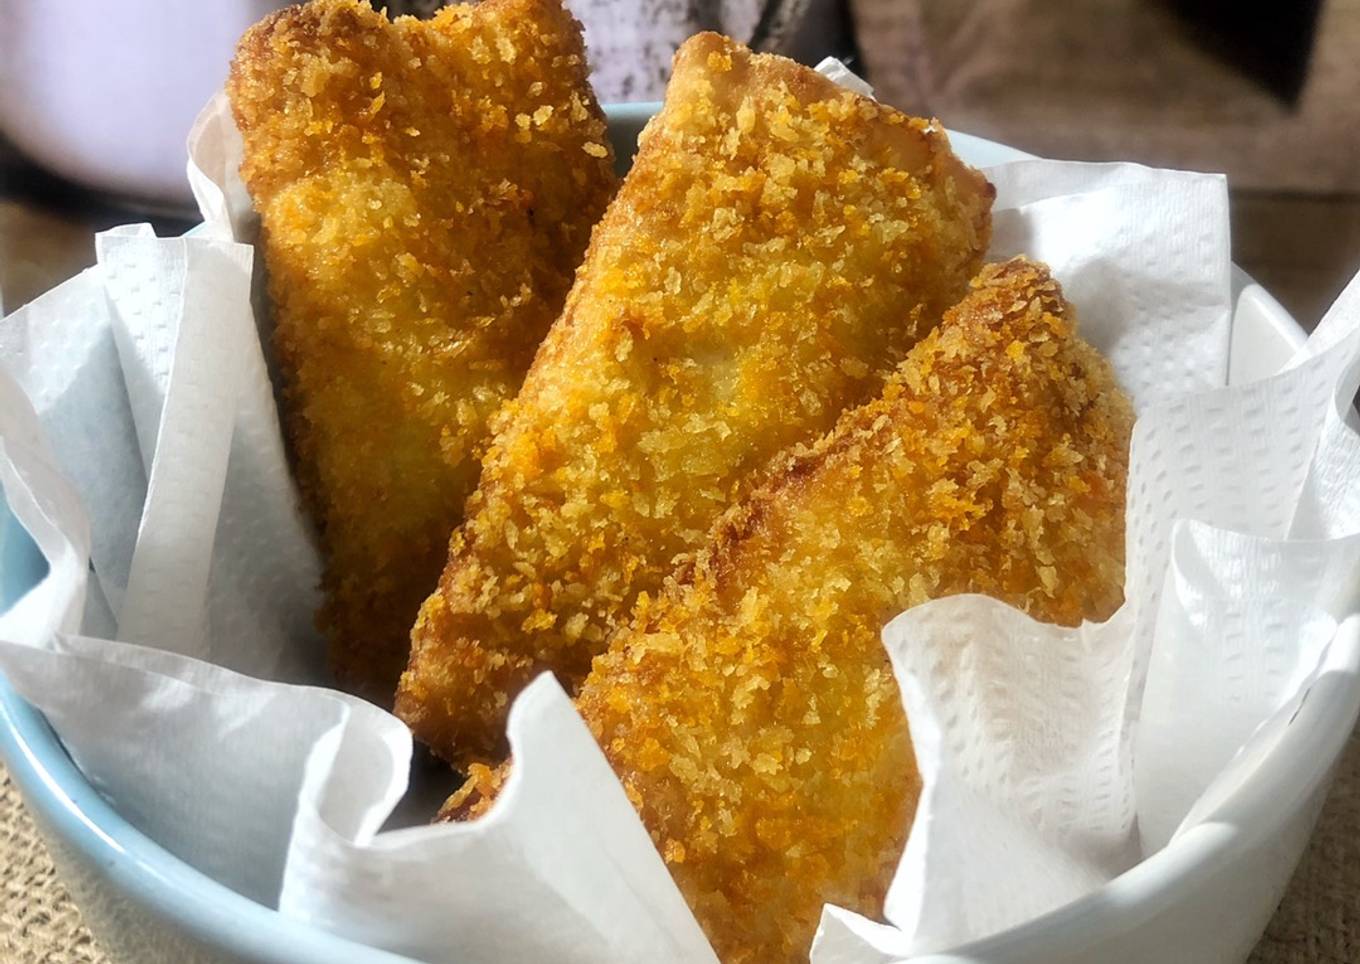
630, 42
1121, 80
1269, 41
1133, 80
409, 8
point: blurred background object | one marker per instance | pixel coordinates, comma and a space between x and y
631, 41
104, 94
1270, 43
1267, 92
1179, 83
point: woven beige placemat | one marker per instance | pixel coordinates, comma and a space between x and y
1318, 922
1319, 919
39, 923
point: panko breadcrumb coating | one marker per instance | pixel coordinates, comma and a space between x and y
778, 246
751, 711
427, 190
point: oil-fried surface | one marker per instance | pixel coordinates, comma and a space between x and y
427, 190
751, 712
778, 246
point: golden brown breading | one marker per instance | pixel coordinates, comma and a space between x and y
751, 712
427, 190
778, 246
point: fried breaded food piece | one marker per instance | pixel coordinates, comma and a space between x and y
427, 190
751, 712
778, 246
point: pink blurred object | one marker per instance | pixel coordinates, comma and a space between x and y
104, 93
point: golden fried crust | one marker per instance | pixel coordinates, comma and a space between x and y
778, 246
426, 190
751, 712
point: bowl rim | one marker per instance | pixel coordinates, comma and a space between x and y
68, 807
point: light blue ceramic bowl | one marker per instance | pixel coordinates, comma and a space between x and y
144, 904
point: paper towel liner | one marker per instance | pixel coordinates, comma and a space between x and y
1052, 758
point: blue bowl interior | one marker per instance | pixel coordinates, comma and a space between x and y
21, 564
